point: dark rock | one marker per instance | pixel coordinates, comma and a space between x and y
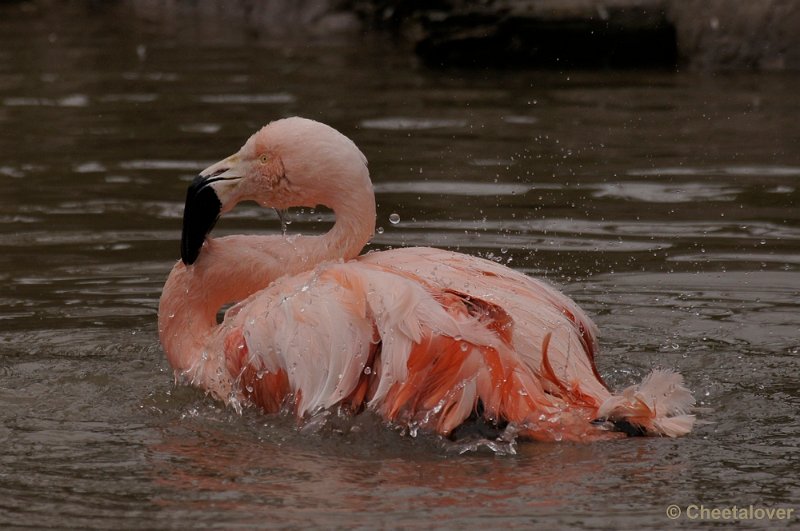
537, 33
731, 34
612, 38
701, 34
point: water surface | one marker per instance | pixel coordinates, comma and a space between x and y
665, 203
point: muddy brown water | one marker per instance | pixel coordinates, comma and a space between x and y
665, 203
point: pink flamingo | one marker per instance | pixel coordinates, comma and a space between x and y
428, 339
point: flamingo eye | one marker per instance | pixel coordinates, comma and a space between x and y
263, 159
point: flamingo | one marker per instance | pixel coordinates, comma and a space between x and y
428, 339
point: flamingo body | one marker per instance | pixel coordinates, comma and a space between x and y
426, 338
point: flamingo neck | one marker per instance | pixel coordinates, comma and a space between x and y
354, 210
229, 270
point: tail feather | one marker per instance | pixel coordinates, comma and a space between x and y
660, 405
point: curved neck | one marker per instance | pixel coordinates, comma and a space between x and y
352, 230
229, 270
232, 268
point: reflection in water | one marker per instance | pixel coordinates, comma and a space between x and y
335, 477
665, 204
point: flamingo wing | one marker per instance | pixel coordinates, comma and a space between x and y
538, 311
364, 336
554, 339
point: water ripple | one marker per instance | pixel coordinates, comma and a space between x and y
766, 258
667, 193
130, 98
522, 242
756, 171
452, 188
280, 97
74, 100
411, 124
152, 164
205, 128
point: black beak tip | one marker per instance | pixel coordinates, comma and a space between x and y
200, 213
189, 255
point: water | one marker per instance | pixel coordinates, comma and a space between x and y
665, 204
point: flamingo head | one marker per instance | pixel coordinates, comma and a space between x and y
293, 162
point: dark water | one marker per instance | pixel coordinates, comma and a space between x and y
666, 204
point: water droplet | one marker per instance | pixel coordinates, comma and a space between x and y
379, 230
394, 218
367, 370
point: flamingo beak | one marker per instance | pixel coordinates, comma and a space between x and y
211, 193
199, 216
